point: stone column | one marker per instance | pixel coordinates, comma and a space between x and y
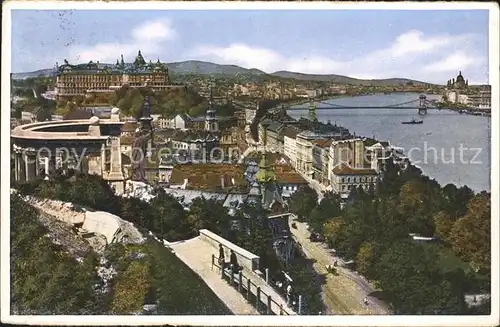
17, 166
115, 175
21, 168
103, 159
115, 171
52, 165
30, 166
37, 166
46, 166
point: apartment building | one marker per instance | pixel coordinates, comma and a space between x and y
344, 178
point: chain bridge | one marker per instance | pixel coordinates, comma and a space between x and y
421, 104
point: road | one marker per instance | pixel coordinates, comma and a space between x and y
315, 185
342, 293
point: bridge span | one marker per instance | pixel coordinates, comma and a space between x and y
421, 104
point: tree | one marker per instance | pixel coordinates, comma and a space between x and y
368, 255
39, 268
444, 224
44, 113
328, 207
303, 201
208, 214
471, 234
410, 276
332, 229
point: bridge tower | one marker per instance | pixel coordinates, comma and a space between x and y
422, 105
312, 110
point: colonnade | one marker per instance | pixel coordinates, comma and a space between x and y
28, 165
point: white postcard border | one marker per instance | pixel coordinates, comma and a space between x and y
494, 50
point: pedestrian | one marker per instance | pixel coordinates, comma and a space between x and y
365, 300
234, 261
288, 293
221, 256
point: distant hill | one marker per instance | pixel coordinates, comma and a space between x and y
41, 72
340, 79
209, 68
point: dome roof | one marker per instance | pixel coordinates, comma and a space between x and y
460, 78
115, 111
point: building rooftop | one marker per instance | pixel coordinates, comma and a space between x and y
209, 176
286, 174
323, 143
78, 114
346, 170
275, 126
139, 66
129, 127
291, 132
194, 136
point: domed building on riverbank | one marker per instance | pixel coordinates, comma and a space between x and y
459, 83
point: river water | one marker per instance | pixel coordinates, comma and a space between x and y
448, 146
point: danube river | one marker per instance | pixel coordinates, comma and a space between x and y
448, 146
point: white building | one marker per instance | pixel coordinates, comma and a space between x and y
250, 114
343, 178
452, 96
178, 122
463, 99
290, 149
348, 152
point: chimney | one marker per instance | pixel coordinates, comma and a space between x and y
222, 181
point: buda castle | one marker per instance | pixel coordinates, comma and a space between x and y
94, 78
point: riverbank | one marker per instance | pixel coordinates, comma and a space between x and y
463, 109
442, 146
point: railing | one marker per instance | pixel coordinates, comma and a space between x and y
264, 303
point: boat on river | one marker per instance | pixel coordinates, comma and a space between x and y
413, 122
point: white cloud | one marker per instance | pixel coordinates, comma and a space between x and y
452, 63
147, 37
412, 55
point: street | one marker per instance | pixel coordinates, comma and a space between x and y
343, 293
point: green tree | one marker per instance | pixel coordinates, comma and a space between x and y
444, 225
328, 207
410, 276
39, 268
368, 255
303, 201
471, 234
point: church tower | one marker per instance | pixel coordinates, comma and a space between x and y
266, 177
211, 124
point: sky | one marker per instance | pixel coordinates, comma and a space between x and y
426, 45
